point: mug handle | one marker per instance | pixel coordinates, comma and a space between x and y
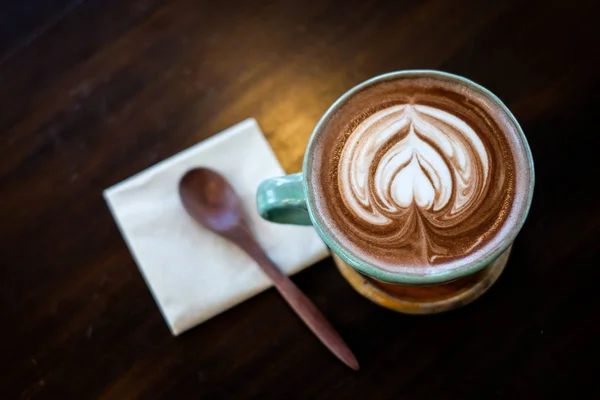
283, 200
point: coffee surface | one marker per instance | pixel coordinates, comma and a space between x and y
417, 172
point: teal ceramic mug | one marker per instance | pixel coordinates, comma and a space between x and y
289, 199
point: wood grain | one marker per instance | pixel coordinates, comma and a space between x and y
97, 90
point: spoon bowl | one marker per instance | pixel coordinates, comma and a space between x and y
208, 197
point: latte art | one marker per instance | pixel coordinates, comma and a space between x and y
418, 174
421, 156
415, 167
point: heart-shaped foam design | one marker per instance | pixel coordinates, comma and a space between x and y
408, 156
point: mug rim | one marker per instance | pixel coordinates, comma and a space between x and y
365, 268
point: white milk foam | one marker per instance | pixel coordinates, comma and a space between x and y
420, 155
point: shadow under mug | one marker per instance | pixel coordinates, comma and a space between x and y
288, 200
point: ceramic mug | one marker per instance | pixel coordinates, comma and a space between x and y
289, 200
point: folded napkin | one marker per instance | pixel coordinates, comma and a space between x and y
194, 274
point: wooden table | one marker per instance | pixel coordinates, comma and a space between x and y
94, 91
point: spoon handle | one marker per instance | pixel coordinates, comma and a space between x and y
303, 306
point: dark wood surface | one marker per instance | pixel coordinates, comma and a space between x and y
94, 91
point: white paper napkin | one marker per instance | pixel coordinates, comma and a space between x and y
193, 273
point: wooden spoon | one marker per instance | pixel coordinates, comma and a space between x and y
212, 202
